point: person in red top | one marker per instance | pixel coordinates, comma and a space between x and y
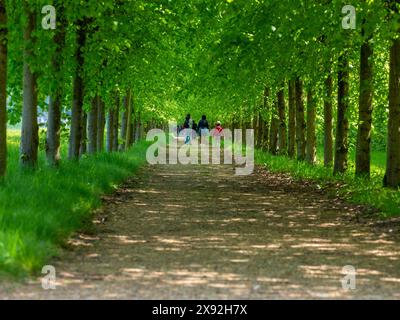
218, 128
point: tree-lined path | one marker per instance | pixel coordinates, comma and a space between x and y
200, 232
83, 82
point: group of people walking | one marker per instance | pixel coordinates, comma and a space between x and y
202, 128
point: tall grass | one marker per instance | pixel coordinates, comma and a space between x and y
40, 209
356, 190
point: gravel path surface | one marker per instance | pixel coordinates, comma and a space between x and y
200, 232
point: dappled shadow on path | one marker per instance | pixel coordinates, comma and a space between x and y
200, 232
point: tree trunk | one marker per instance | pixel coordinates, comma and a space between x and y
244, 126
142, 129
273, 136
101, 121
29, 134
292, 120
392, 177
3, 88
123, 123
274, 131
328, 125
255, 126
260, 124
300, 122
110, 130
139, 128
266, 126
92, 125
116, 123
282, 122
77, 103
132, 139
53, 135
83, 148
311, 149
365, 108
342, 124
128, 139
133, 123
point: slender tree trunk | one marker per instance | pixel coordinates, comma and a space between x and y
282, 122
142, 128
274, 131
83, 148
101, 121
133, 123
255, 126
328, 122
132, 139
342, 124
265, 134
124, 123
29, 134
3, 88
77, 103
392, 177
273, 136
292, 120
311, 149
243, 126
260, 129
139, 127
300, 122
365, 108
92, 125
266, 125
110, 130
53, 135
128, 138
116, 123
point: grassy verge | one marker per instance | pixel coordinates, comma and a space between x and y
39, 210
356, 190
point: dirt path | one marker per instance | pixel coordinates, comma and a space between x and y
199, 232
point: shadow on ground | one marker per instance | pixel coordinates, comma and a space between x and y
200, 232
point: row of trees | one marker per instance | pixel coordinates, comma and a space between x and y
303, 132
286, 67
81, 74
300, 57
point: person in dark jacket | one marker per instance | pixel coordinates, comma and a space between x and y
186, 124
204, 128
194, 126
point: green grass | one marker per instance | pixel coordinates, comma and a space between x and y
347, 186
39, 210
